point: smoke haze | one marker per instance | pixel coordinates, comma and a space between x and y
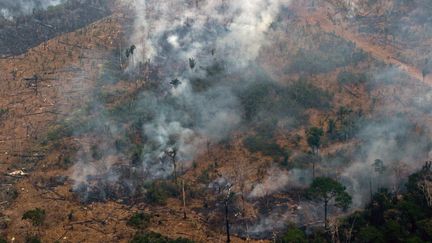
11, 8
225, 38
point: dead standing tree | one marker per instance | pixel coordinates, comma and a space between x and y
425, 183
223, 189
227, 198
184, 199
172, 154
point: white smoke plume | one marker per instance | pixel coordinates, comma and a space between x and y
400, 140
234, 30
12, 8
167, 34
399, 136
279, 180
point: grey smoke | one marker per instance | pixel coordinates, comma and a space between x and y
280, 180
233, 30
391, 141
12, 8
212, 32
167, 34
400, 139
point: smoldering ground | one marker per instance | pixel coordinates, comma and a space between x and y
202, 105
223, 41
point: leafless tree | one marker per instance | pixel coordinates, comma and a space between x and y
172, 154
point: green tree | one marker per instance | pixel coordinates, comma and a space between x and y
327, 190
425, 227
156, 195
370, 234
331, 129
139, 220
32, 239
293, 234
379, 166
346, 118
314, 135
36, 216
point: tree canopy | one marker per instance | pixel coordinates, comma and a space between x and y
314, 137
326, 190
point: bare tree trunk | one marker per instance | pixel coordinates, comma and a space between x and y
184, 199
208, 148
315, 151
120, 56
349, 233
325, 214
313, 169
227, 222
172, 154
175, 170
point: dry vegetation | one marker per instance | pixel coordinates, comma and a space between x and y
47, 91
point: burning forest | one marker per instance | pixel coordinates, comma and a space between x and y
215, 121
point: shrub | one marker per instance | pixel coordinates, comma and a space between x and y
314, 135
3, 112
136, 152
293, 234
57, 132
351, 78
204, 177
425, 228
267, 147
370, 234
96, 153
308, 95
158, 192
152, 237
155, 196
120, 144
36, 216
304, 160
66, 161
268, 101
32, 239
170, 188
139, 220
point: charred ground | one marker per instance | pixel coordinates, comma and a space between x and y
75, 118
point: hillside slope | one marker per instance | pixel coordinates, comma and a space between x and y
112, 145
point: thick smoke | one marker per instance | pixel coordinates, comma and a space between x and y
231, 30
398, 135
229, 35
12, 8
393, 143
190, 42
279, 180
